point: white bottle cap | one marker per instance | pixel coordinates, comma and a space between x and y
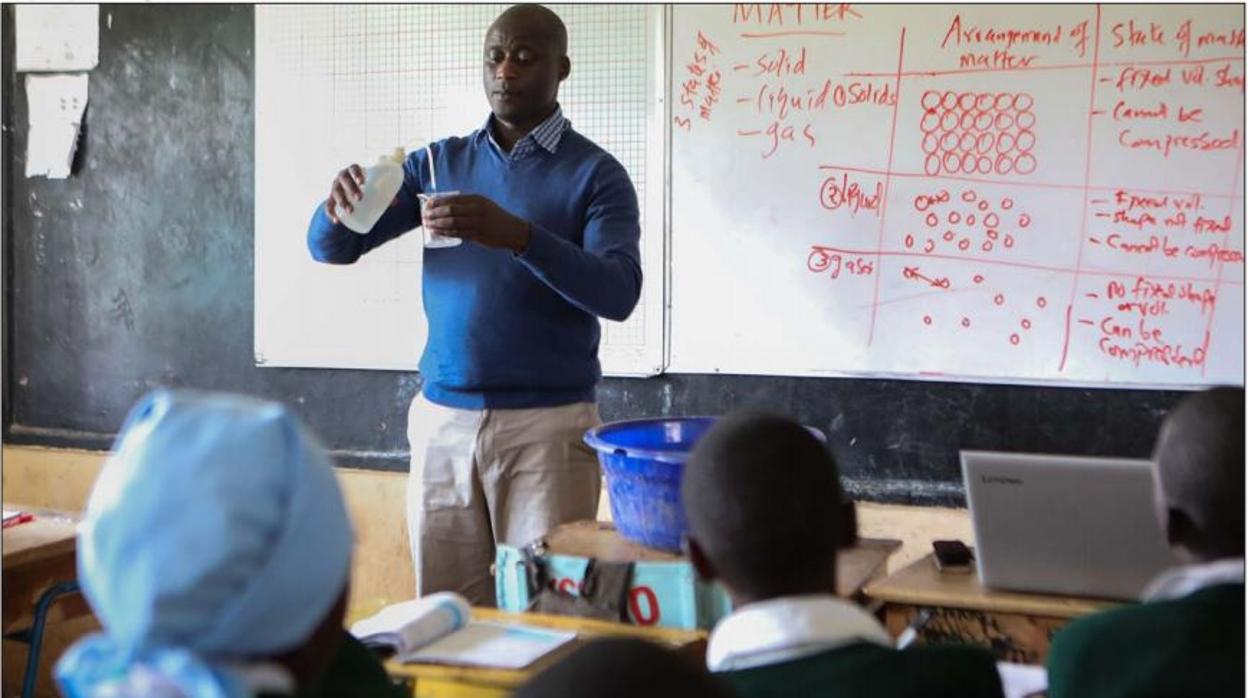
398, 156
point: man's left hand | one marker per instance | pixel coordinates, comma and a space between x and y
478, 219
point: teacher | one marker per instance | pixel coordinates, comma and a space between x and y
550, 227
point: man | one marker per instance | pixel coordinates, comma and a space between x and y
1187, 638
216, 552
762, 496
551, 229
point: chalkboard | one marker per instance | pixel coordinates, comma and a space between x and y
137, 272
1046, 194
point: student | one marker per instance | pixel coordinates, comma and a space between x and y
762, 497
216, 553
551, 229
624, 668
1187, 638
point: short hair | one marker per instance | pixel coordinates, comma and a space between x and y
550, 23
1200, 465
763, 500
624, 668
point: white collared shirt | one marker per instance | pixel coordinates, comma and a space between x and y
790, 627
1178, 582
545, 135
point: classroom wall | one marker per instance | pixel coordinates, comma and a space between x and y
138, 272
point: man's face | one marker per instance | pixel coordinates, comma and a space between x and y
521, 71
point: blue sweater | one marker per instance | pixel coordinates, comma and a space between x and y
515, 330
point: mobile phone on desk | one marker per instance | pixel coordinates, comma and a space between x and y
952, 556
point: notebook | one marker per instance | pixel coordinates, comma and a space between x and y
437, 629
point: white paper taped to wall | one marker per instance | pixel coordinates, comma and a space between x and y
56, 104
56, 37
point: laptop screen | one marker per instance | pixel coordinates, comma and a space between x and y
1070, 525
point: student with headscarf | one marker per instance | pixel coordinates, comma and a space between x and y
216, 553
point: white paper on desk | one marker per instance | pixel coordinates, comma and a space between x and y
59, 38
495, 645
1022, 680
55, 104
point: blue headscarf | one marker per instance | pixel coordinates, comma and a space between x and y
215, 532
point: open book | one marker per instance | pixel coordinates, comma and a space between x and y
436, 629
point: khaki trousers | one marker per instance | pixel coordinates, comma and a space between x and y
481, 477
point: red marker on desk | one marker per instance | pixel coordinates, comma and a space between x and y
13, 518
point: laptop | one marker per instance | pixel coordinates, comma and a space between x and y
1068, 525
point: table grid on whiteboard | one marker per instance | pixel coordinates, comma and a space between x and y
1094, 65
382, 66
1077, 130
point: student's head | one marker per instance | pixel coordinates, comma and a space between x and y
1199, 461
525, 59
763, 500
216, 535
624, 668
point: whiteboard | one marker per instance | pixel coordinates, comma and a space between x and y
337, 84
959, 192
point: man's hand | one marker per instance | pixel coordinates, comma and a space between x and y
476, 218
346, 190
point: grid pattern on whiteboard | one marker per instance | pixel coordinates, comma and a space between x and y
358, 80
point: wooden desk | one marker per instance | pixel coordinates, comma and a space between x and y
1016, 627
38, 554
867, 560
439, 681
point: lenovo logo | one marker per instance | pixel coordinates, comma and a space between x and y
999, 480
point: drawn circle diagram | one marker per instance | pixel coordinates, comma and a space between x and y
982, 133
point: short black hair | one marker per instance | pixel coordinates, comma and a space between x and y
552, 27
763, 499
624, 668
1200, 466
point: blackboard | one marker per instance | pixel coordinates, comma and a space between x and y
137, 272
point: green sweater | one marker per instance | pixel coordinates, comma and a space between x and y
1190, 647
872, 671
354, 672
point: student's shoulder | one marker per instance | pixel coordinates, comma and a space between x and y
865, 669
1214, 605
959, 669
354, 671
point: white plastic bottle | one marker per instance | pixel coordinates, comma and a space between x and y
381, 184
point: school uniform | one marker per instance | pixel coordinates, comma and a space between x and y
215, 539
354, 672
1186, 639
821, 645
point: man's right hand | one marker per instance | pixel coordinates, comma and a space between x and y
346, 188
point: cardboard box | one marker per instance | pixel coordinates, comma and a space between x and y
665, 590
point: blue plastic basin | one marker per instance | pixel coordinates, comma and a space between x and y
643, 461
